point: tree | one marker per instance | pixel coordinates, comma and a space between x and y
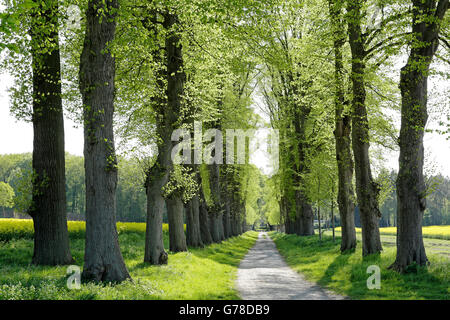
366, 188
193, 231
6, 196
48, 209
216, 218
411, 191
342, 133
174, 91
103, 259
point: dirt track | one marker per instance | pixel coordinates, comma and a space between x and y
264, 275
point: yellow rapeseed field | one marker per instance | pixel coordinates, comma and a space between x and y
23, 228
436, 232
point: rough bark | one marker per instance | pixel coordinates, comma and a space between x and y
177, 237
235, 209
214, 225
342, 134
232, 214
244, 222
221, 226
227, 219
204, 221
157, 176
103, 259
411, 188
234, 228
175, 82
288, 219
154, 243
238, 223
48, 210
307, 219
193, 234
224, 199
216, 208
304, 224
366, 188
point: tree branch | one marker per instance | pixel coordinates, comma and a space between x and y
442, 7
369, 36
381, 44
444, 41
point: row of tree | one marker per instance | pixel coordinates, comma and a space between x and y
15, 194
327, 85
139, 70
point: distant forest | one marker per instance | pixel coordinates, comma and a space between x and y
15, 176
15, 171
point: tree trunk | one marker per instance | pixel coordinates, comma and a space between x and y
193, 234
332, 219
204, 221
342, 134
318, 211
297, 223
157, 177
154, 241
224, 190
233, 216
304, 225
221, 226
244, 222
411, 190
213, 225
103, 259
177, 238
175, 82
51, 238
367, 189
227, 219
288, 219
216, 208
239, 220
307, 219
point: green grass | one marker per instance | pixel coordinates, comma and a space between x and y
206, 273
322, 262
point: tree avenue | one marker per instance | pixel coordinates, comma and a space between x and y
323, 75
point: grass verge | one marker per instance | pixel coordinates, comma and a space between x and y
206, 273
346, 274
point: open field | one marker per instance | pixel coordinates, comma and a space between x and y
433, 232
346, 274
432, 245
23, 228
206, 273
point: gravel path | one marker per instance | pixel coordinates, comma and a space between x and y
264, 275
